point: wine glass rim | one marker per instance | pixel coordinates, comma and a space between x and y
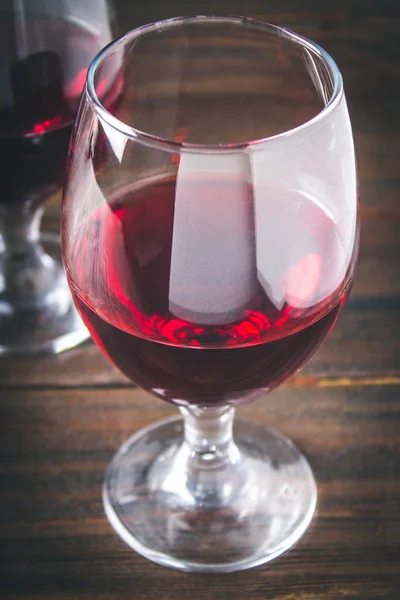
173, 145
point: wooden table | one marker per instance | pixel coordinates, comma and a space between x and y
62, 419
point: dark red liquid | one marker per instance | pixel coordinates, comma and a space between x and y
41, 81
119, 268
32, 168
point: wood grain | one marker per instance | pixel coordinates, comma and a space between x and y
62, 419
56, 541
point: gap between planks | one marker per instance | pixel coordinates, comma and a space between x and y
296, 382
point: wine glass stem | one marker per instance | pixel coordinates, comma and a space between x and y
208, 434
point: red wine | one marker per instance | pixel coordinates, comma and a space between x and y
41, 81
121, 263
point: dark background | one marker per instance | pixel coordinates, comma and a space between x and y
62, 419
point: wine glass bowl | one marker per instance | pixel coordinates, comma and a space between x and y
210, 236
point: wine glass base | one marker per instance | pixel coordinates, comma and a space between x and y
261, 505
49, 324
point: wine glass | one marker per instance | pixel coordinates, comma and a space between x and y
209, 236
46, 48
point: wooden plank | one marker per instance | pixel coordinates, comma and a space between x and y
312, 12
365, 341
56, 542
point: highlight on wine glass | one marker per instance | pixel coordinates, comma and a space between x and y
210, 234
46, 48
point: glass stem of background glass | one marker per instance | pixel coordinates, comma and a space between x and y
20, 228
24, 263
208, 448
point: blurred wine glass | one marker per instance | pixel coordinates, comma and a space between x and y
46, 47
